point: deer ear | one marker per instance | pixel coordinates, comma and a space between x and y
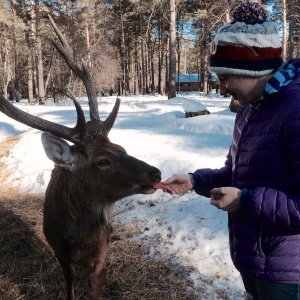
58, 151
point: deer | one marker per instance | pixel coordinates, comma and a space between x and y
90, 174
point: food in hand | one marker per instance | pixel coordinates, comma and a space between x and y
159, 185
216, 196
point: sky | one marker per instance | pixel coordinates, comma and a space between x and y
185, 229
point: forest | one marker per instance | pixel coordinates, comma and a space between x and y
130, 46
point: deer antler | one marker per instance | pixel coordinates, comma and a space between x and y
80, 134
74, 135
98, 126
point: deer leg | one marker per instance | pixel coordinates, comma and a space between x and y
96, 276
69, 273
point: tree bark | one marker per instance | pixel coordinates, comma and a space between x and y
7, 65
284, 29
160, 56
28, 40
15, 79
40, 69
88, 44
291, 29
125, 77
143, 82
172, 51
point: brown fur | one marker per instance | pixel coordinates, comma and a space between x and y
89, 177
78, 206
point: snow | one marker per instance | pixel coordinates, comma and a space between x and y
190, 105
184, 228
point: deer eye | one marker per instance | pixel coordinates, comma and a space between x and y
102, 163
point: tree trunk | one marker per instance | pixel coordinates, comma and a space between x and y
28, 39
142, 54
7, 65
123, 53
166, 54
205, 76
15, 79
40, 69
30, 79
172, 51
88, 44
50, 69
160, 57
291, 29
179, 60
146, 69
284, 29
151, 56
136, 69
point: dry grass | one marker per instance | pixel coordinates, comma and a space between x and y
28, 269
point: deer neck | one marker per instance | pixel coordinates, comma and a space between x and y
69, 191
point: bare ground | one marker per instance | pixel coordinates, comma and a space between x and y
28, 269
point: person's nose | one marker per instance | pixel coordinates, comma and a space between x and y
223, 89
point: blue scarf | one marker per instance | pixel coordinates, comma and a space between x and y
281, 79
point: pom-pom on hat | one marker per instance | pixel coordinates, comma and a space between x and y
248, 46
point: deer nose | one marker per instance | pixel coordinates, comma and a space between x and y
155, 175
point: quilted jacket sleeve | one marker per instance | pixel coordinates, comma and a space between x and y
278, 207
211, 178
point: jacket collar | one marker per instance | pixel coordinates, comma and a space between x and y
282, 78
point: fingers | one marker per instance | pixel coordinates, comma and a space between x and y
172, 179
168, 189
226, 198
172, 189
176, 189
215, 198
177, 184
179, 179
216, 195
216, 191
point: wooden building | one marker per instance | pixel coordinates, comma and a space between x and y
192, 82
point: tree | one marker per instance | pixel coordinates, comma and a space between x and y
284, 38
140, 54
40, 67
172, 51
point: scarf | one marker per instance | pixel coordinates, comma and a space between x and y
281, 79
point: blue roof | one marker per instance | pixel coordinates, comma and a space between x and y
192, 77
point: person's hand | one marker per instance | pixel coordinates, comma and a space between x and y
226, 198
178, 184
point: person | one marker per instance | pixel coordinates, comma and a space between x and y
259, 184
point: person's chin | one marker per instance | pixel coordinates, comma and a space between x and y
240, 101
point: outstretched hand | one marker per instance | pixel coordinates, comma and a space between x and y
178, 184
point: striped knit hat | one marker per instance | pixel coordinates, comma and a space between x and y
249, 45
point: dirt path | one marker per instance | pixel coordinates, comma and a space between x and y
6, 145
28, 269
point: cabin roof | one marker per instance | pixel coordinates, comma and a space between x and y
192, 77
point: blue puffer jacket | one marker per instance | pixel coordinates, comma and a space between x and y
264, 158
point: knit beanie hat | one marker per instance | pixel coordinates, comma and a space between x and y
249, 45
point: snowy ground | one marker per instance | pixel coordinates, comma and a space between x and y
186, 228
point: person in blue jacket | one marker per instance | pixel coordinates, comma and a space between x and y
259, 185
